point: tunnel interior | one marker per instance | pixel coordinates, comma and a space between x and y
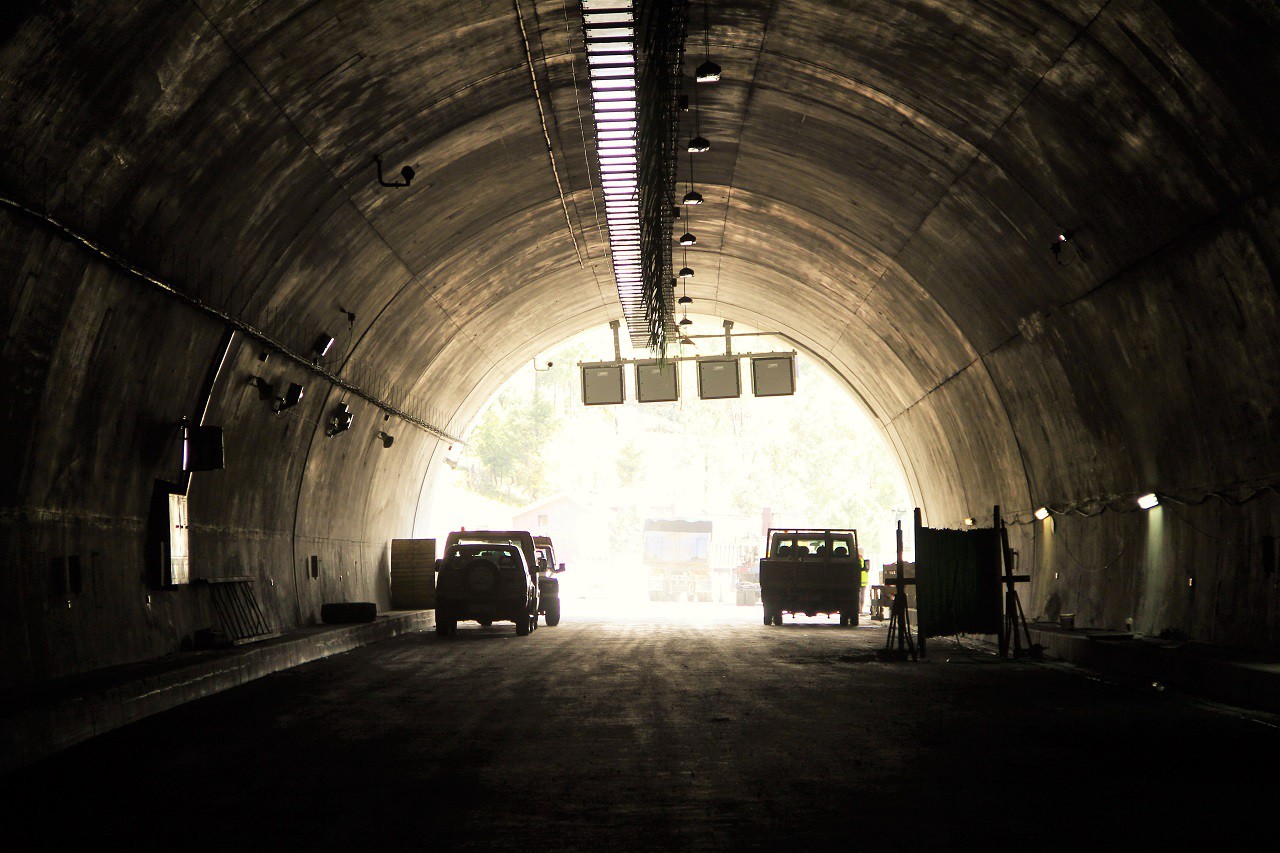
1040, 241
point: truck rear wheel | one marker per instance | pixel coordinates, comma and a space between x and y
522, 625
553, 612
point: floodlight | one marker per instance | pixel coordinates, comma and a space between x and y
340, 420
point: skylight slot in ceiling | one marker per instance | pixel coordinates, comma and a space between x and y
610, 37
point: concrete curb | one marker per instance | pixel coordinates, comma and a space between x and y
44, 727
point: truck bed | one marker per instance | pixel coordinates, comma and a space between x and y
809, 585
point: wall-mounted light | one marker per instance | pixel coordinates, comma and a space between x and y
1148, 501
1042, 513
968, 522
406, 174
201, 447
292, 397
340, 420
1064, 249
321, 346
386, 439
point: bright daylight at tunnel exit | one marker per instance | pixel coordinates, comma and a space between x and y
671, 501
640, 424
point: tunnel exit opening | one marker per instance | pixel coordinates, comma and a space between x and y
662, 505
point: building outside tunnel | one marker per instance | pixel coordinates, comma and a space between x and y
1039, 241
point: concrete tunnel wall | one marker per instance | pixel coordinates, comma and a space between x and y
885, 182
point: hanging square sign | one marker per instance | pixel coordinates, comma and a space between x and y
719, 379
603, 384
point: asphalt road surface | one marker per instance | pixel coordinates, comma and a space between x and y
677, 727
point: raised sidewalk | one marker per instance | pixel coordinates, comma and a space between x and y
1245, 679
51, 717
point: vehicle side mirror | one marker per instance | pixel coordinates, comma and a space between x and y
560, 568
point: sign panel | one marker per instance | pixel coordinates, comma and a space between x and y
603, 384
657, 382
773, 375
719, 379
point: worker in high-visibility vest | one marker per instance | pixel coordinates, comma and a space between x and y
862, 584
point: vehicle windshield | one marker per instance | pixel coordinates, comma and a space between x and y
835, 545
499, 555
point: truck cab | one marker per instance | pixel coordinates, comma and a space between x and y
811, 571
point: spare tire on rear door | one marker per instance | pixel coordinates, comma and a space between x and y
481, 575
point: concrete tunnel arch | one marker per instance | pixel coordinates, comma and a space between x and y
885, 185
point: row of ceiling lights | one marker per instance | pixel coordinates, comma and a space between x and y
707, 72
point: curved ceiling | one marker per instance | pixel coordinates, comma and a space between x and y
885, 184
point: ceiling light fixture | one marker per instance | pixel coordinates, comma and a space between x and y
406, 175
1148, 501
687, 239
1065, 249
685, 272
708, 71
692, 197
1042, 513
699, 145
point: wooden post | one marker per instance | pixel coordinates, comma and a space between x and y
1014, 623
899, 618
